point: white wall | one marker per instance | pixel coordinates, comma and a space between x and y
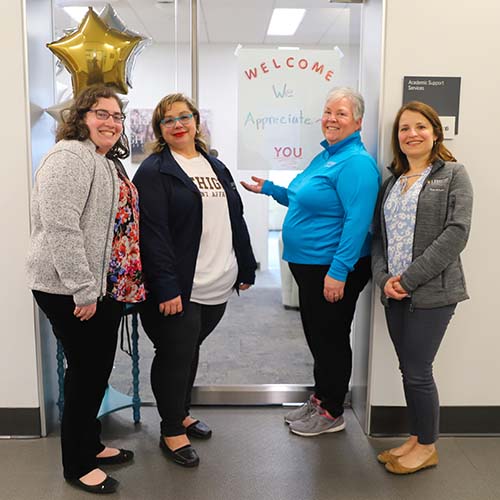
450, 38
18, 376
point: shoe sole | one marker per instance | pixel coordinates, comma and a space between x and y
194, 435
184, 464
312, 434
411, 471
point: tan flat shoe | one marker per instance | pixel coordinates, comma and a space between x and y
386, 456
395, 466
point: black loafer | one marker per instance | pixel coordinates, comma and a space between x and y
109, 485
185, 456
199, 430
121, 458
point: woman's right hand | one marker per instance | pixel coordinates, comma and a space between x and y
392, 289
172, 306
254, 188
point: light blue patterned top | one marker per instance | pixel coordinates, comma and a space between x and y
400, 210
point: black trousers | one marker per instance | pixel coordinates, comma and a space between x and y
416, 335
89, 347
177, 340
327, 328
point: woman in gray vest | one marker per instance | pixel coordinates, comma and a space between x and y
422, 223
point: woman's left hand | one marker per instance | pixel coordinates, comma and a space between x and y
84, 313
244, 286
333, 290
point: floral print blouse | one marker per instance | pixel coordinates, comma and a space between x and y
400, 211
125, 279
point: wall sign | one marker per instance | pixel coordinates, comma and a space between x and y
440, 92
281, 94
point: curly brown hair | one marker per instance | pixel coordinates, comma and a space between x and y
158, 145
73, 127
439, 150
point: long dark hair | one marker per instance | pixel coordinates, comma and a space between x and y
159, 144
400, 163
73, 126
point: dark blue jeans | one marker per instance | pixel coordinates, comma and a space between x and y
416, 336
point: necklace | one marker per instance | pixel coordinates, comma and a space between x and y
404, 180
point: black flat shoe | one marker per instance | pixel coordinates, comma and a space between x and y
109, 485
199, 430
121, 458
185, 455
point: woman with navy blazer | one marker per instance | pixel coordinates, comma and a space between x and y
195, 250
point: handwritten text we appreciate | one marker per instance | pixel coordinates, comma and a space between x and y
280, 101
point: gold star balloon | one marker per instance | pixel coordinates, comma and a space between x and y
95, 53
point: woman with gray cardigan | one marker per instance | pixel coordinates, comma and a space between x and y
83, 264
422, 223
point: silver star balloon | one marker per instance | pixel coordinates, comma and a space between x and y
113, 20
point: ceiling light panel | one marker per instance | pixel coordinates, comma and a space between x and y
284, 22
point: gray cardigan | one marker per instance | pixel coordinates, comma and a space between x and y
73, 209
435, 277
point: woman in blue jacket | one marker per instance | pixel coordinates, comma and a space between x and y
327, 245
195, 251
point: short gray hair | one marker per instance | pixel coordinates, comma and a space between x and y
356, 99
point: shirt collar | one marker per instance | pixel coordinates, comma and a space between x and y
333, 148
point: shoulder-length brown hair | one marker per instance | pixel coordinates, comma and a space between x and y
159, 144
73, 127
439, 151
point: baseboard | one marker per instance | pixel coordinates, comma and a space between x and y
20, 422
455, 420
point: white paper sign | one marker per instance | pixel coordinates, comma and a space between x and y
280, 103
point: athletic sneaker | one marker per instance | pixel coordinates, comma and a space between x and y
303, 411
320, 422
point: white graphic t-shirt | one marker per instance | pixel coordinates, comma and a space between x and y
216, 266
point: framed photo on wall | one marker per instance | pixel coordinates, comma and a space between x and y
141, 133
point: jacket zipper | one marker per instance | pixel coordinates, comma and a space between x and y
431, 173
414, 232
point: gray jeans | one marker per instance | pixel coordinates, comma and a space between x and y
416, 336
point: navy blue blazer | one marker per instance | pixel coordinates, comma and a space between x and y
171, 226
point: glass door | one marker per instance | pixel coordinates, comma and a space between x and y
258, 79
215, 51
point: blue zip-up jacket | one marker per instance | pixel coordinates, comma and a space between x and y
330, 207
171, 226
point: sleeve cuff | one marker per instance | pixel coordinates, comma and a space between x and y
267, 188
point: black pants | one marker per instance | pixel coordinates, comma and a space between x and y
327, 327
177, 341
416, 336
89, 347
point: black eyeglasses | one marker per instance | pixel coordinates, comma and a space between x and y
102, 114
170, 121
